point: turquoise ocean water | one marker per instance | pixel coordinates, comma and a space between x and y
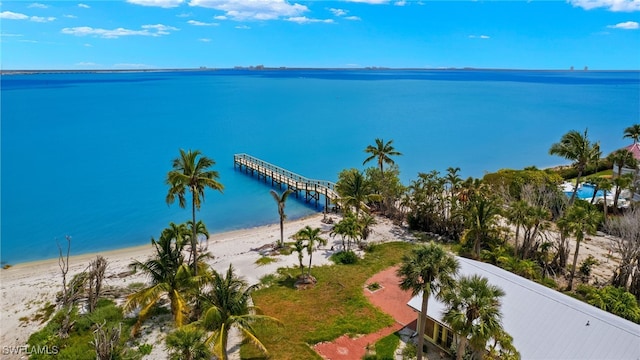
86, 155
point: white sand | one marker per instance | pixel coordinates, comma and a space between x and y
27, 287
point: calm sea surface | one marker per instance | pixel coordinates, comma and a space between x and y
86, 155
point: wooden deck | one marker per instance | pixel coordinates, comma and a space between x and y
313, 189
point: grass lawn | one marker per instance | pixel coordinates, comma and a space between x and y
335, 306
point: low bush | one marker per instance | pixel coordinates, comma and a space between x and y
345, 257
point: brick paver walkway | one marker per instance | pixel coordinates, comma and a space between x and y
389, 299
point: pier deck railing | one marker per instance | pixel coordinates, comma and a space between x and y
295, 182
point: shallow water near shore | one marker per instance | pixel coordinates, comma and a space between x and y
86, 155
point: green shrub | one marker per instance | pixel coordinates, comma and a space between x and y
386, 347
345, 257
410, 351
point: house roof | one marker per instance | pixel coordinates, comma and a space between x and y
546, 324
635, 150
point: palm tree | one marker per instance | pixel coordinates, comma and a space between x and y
227, 305
382, 152
633, 132
517, 215
623, 158
576, 147
169, 274
355, 190
200, 229
312, 236
580, 219
348, 228
187, 343
281, 200
473, 311
621, 183
299, 247
481, 215
191, 171
427, 269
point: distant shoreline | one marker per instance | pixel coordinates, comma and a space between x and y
263, 68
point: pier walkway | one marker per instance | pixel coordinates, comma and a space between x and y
313, 189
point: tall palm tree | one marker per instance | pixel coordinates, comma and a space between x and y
191, 172
623, 158
281, 200
312, 237
187, 343
382, 152
427, 269
354, 190
621, 183
580, 219
517, 215
473, 311
299, 247
576, 147
170, 276
481, 215
227, 305
633, 132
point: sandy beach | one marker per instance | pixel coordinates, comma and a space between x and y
27, 287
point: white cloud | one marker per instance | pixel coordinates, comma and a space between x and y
87, 45
84, 6
86, 63
628, 25
200, 23
29, 41
479, 37
41, 19
204, 40
12, 16
157, 3
17, 16
184, 15
240, 10
38, 5
243, 27
70, 16
147, 30
9, 35
353, 18
338, 12
400, 3
306, 20
220, 17
611, 5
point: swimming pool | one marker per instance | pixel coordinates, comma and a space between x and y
585, 192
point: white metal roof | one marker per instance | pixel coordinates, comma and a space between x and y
546, 324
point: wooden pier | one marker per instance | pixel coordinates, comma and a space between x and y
313, 189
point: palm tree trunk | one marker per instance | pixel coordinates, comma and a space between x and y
575, 188
225, 339
310, 256
422, 323
515, 246
194, 236
575, 261
605, 206
461, 347
281, 232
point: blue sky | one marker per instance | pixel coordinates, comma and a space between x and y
600, 34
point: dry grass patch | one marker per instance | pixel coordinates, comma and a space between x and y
334, 307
